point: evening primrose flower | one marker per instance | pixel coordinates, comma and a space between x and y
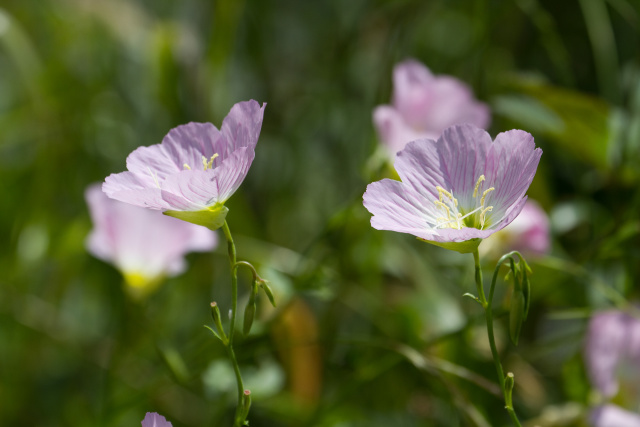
153, 419
612, 359
613, 416
424, 105
457, 190
195, 169
144, 245
528, 234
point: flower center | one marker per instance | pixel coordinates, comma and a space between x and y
453, 217
206, 164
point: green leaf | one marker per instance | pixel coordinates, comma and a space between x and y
579, 124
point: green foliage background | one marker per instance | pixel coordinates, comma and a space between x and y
371, 328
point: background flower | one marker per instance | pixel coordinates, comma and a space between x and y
143, 244
612, 359
461, 188
153, 419
612, 350
613, 416
424, 105
195, 169
529, 234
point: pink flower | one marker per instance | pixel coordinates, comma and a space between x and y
528, 233
424, 105
614, 416
612, 346
195, 169
144, 245
153, 419
457, 190
612, 359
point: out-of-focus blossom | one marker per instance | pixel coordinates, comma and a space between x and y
612, 347
529, 234
195, 169
144, 245
612, 358
425, 105
614, 416
457, 190
153, 419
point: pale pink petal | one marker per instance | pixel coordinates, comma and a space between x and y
197, 188
429, 104
510, 168
613, 416
463, 153
531, 230
188, 144
153, 419
153, 162
126, 181
411, 92
453, 104
230, 174
605, 346
420, 167
394, 132
242, 125
396, 208
141, 241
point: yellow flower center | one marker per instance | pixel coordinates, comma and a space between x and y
451, 217
206, 164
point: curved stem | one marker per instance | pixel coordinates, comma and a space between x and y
239, 418
486, 304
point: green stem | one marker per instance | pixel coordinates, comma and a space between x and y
239, 418
486, 304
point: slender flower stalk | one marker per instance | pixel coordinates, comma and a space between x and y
239, 418
506, 382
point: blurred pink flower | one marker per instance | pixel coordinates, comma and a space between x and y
457, 190
614, 416
612, 357
144, 245
612, 345
153, 419
195, 169
425, 105
529, 234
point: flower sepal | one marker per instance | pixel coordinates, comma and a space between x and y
212, 217
465, 247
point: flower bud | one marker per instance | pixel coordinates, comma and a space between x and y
267, 290
217, 320
516, 315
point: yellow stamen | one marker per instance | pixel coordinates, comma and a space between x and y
439, 203
482, 218
475, 190
208, 164
442, 191
186, 167
487, 191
